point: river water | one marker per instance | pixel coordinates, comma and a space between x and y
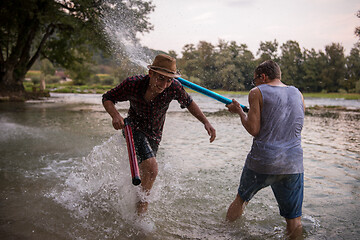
64, 174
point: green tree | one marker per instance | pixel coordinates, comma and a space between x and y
313, 64
247, 64
189, 63
47, 72
47, 68
126, 68
227, 74
291, 63
57, 30
206, 53
352, 70
234, 66
80, 73
172, 53
357, 30
333, 74
268, 51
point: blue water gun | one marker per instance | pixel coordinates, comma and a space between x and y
208, 93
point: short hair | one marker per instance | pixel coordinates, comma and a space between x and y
270, 69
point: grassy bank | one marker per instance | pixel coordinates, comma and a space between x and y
348, 96
69, 88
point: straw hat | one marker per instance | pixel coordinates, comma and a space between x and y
165, 65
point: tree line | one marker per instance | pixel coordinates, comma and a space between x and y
230, 66
68, 33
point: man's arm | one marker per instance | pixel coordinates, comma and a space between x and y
302, 98
117, 119
196, 112
250, 121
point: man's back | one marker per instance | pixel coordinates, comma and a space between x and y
277, 147
282, 114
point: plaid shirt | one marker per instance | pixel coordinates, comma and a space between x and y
148, 117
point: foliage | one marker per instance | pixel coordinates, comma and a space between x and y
33, 73
268, 51
357, 30
334, 73
348, 96
47, 68
125, 69
291, 63
225, 66
67, 32
353, 70
71, 35
233, 66
230, 66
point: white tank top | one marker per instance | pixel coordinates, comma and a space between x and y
277, 148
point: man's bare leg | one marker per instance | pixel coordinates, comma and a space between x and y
294, 228
236, 209
148, 172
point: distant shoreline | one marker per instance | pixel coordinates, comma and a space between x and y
346, 96
99, 89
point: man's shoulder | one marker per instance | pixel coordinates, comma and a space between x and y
137, 81
136, 78
255, 91
176, 84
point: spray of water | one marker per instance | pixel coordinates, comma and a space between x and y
100, 187
120, 27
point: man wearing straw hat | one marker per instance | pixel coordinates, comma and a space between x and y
150, 96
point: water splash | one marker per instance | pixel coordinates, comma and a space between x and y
120, 31
100, 187
10, 131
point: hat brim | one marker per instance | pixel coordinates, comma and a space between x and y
163, 72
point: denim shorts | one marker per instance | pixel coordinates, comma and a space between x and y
287, 188
145, 147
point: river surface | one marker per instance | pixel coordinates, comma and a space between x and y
64, 174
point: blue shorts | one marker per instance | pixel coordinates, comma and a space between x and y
287, 188
145, 147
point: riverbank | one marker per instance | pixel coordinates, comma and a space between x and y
346, 96
103, 88
335, 112
99, 89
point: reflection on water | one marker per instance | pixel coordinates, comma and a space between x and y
64, 174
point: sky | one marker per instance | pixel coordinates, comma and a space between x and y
312, 23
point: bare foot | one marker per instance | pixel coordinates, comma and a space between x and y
142, 208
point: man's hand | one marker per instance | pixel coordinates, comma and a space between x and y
234, 107
196, 112
252, 120
118, 122
117, 119
211, 131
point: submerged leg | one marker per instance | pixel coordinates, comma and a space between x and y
148, 172
294, 228
236, 209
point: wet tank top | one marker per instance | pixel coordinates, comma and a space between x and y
277, 148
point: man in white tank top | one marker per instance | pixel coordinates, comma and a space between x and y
275, 120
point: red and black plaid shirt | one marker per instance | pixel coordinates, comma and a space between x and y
148, 117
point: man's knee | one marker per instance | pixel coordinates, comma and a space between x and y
149, 167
